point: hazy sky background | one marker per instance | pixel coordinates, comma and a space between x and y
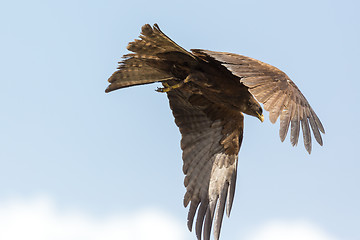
76, 163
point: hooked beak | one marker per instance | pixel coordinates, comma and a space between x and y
260, 117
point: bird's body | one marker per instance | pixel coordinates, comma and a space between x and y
208, 94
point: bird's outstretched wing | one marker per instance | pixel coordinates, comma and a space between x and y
211, 139
280, 96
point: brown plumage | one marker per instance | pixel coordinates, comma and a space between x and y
208, 94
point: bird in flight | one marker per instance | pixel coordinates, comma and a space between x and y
208, 93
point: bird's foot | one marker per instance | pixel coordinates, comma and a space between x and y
168, 88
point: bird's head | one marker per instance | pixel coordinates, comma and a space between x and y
253, 108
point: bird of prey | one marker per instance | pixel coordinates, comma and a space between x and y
208, 93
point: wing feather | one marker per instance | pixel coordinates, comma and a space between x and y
209, 217
295, 125
220, 211
267, 92
278, 107
306, 135
200, 218
276, 91
271, 101
231, 192
192, 210
261, 89
284, 123
318, 122
315, 129
256, 81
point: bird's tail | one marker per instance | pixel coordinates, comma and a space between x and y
153, 59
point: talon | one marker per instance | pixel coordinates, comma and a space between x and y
163, 90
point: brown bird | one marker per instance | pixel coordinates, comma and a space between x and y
208, 93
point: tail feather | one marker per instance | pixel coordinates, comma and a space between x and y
134, 71
152, 61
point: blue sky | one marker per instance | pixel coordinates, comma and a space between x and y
66, 143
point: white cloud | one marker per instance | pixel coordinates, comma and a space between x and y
289, 230
39, 219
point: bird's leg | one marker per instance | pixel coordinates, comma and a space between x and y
168, 88
165, 84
